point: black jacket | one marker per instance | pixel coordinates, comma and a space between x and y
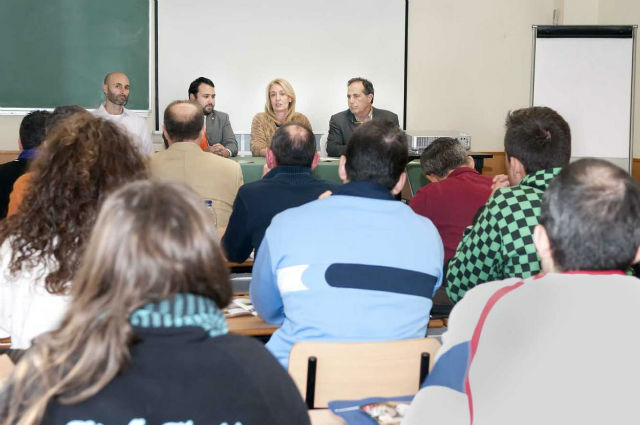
182, 374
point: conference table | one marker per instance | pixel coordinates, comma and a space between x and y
327, 169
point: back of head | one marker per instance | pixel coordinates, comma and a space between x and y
539, 137
591, 212
443, 155
152, 240
195, 85
60, 113
183, 120
294, 144
32, 129
83, 159
377, 152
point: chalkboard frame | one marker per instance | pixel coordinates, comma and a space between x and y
131, 27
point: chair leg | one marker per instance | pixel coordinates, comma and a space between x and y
312, 363
424, 367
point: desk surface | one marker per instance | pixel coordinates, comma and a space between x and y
255, 326
324, 417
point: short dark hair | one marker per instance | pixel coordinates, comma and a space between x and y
591, 212
60, 113
539, 137
195, 85
368, 86
184, 126
33, 129
443, 155
377, 152
294, 144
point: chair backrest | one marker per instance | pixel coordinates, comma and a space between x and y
323, 145
325, 371
6, 366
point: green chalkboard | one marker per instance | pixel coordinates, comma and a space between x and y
57, 52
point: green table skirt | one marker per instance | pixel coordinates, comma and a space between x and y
326, 170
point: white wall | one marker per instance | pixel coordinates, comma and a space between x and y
469, 62
626, 12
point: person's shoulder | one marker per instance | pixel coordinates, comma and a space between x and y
261, 117
244, 351
342, 115
301, 213
384, 114
299, 117
133, 116
221, 115
13, 168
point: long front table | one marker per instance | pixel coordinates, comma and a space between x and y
327, 169
252, 168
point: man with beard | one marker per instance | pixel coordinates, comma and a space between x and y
219, 137
116, 91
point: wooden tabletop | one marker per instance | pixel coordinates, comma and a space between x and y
324, 417
250, 325
255, 326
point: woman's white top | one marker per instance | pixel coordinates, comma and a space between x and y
26, 308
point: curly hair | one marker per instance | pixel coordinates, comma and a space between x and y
151, 240
80, 163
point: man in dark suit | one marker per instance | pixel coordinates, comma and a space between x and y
343, 124
287, 184
31, 135
219, 133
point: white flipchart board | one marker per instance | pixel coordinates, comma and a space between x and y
586, 73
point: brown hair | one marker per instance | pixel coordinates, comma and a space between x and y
151, 240
81, 161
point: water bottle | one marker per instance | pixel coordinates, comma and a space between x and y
209, 204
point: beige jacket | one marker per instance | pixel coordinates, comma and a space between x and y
209, 175
263, 128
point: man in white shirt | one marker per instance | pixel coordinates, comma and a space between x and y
116, 91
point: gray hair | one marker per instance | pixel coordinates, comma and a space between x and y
443, 155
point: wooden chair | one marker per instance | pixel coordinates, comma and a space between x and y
325, 371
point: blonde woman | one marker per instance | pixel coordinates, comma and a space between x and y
144, 340
279, 108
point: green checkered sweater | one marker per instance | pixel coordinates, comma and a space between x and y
499, 244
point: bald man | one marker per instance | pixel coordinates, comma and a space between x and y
116, 91
211, 176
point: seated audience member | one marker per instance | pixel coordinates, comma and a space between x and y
116, 92
499, 244
343, 124
219, 137
280, 108
31, 134
21, 184
288, 184
370, 278
517, 351
82, 159
211, 176
455, 193
144, 340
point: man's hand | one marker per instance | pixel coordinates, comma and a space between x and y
218, 149
501, 180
